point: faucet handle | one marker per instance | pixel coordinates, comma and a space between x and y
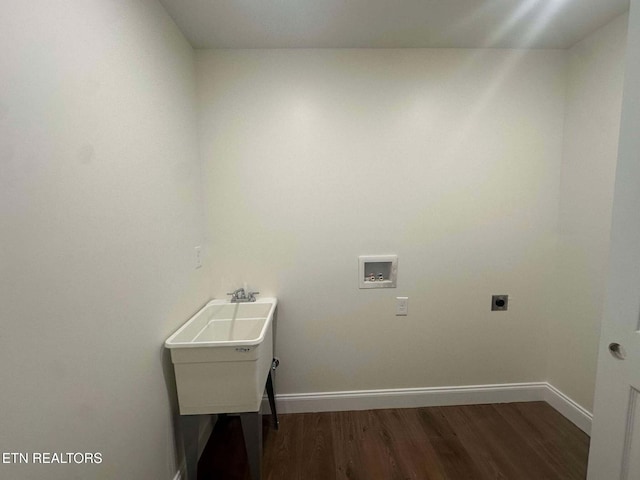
251, 296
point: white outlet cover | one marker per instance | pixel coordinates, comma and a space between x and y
198, 252
402, 306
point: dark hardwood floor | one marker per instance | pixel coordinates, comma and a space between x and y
516, 441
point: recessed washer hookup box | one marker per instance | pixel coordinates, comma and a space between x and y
378, 271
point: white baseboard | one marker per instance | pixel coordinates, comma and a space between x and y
570, 409
432, 397
407, 397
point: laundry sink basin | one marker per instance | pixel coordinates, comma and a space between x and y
222, 356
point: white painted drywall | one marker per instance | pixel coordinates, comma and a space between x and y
448, 158
100, 208
592, 122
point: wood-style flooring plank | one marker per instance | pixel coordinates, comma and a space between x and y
347, 438
378, 446
410, 445
517, 441
493, 464
317, 459
564, 445
509, 444
453, 455
283, 445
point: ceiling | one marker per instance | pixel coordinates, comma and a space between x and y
390, 23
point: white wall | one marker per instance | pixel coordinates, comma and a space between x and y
592, 122
100, 208
449, 158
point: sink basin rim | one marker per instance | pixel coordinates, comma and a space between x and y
172, 343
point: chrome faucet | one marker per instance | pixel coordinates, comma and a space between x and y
240, 295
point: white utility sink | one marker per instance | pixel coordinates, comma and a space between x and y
222, 356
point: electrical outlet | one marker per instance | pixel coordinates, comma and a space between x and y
402, 306
198, 251
499, 303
